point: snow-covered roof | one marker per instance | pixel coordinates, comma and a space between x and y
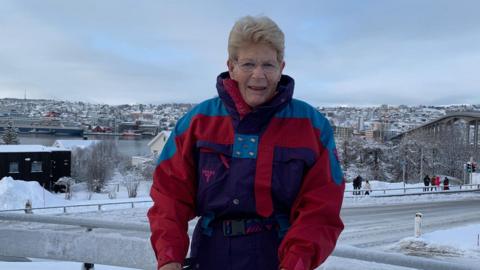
165, 133
26, 148
71, 144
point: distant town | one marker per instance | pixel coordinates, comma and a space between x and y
78, 118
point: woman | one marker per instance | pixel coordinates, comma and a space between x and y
257, 166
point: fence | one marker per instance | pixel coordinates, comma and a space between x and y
96, 206
421, 190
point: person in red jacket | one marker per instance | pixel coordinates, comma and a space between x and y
258, 167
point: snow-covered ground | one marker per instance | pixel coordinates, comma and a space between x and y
457, 242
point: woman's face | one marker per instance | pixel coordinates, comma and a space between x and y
257, 72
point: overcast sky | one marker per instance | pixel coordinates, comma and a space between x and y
339, 52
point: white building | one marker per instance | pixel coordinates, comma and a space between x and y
158, 142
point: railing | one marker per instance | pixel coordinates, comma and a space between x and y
135, 252
422, 190
97, 206
373, 193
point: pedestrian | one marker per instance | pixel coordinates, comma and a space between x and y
357, 185
259, 167
446, 183
426, 182
367, 188
432, 183
437, 183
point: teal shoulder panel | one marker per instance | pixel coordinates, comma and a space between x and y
210, 107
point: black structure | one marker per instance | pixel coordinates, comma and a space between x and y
35, 163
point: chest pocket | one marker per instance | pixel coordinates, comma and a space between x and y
289, 168
212, 172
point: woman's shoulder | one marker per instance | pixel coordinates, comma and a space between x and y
300, 109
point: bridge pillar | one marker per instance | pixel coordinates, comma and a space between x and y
475, 139
467, 134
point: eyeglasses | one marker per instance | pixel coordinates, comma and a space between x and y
249, 66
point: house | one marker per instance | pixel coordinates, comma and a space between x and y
158, 142
35, 163
100, 129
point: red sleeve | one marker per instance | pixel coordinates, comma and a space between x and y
173, 195
315, 215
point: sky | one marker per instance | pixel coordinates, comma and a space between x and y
353, 53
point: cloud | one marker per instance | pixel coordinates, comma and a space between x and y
348, 52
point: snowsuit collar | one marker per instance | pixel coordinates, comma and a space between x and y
230, 95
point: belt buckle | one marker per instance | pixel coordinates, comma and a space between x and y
234, 227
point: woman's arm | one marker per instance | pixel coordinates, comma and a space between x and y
173, 193
315, 215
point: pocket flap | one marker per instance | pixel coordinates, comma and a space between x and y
210, 147
286, 154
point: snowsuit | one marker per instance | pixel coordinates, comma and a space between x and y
426, 182
446, 183
357, 185
368, 188
275, 169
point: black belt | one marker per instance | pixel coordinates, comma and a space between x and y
237, 227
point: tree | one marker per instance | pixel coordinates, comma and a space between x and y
10, 134
68, 182
95, 164
131, 182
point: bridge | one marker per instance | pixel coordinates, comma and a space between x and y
469, 120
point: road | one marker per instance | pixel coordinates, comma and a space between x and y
379, 225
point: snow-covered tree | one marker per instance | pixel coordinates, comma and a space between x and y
10, 135
95, 164
68, 182
131, 181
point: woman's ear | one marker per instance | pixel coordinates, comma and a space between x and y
282, 66
231, 67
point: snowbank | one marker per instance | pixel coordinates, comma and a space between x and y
453, 242
15, 193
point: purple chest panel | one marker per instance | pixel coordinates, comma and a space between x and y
226, 183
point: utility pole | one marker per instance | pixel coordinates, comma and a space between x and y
421, 163
403, 175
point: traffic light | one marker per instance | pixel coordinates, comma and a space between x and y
469, 167
474, 167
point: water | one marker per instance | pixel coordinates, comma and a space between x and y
136, 146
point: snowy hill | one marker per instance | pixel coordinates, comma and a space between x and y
15, 193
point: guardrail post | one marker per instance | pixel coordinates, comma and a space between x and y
99, 208
418, 225
64, 209
88, 266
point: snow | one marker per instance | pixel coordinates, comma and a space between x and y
52, 265
15, 193
72, 144
25, 148
457, 242
454, 242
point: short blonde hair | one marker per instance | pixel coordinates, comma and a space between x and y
256, 30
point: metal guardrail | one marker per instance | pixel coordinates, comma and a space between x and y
424, 190
78, 247
99, 206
